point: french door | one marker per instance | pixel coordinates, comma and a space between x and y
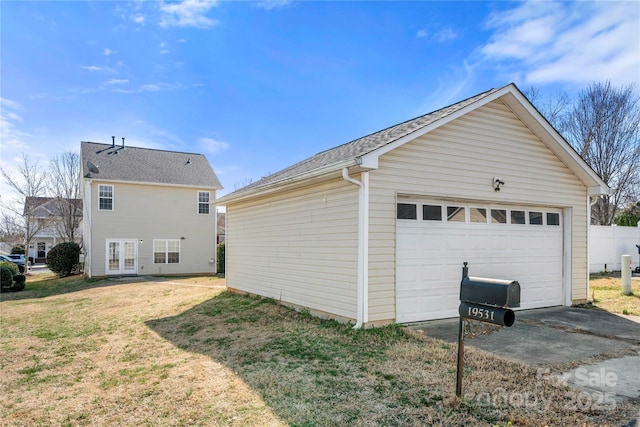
122, 256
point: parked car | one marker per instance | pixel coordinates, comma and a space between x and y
16, 259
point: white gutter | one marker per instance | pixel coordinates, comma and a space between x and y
362, 300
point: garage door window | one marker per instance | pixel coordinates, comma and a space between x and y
517, 217
535, 218
553, 218
407, 211
455, 214
432, 213
478, 215
498, 216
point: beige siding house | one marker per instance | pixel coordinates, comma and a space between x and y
147, 211
377, 230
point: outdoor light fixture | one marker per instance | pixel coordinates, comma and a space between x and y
497, 182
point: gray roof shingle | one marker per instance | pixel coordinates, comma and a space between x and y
359, 147
147, 165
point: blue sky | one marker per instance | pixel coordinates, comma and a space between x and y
257, 86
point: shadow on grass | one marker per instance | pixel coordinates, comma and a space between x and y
311, 371
55, 286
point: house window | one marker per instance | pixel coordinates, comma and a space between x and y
407, 211
203, 202
431, 213
105, 195
166, 251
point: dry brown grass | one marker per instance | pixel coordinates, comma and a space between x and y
186, 352
606, 293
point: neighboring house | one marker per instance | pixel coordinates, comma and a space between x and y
47, 211
147, 211
377, 230
221, 227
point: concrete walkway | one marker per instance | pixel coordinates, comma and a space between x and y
560, 335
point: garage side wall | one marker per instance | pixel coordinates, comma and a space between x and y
299, 247
459, 161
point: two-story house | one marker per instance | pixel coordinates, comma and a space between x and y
53, 220
147, 211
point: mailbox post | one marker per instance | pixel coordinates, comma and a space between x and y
484, 300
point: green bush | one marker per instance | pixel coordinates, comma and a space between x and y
63, 258
220, 258
17, 250
6, 278
11, 266
19, 281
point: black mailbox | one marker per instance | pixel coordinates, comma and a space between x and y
494, 292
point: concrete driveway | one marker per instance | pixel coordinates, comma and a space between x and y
605, 347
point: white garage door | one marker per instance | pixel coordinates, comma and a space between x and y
501, 242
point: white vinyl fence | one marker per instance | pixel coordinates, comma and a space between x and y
608, 244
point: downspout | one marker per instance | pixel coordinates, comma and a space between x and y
362, 312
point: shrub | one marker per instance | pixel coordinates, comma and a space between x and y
63, 258
11, 266
17, 250
6, 278
19, 281
220, 258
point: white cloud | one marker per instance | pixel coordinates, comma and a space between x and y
211, 145
138, 19
272, 4
108, 52
188, 13
580, 42
440, 36
91, 68
116, 82
13, 139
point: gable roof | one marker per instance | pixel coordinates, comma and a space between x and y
145, 165
364, 152
44, 207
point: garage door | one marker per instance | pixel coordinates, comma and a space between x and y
502, 242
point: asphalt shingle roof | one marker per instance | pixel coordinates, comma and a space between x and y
361, 146
147, 165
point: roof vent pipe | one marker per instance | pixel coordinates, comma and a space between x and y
123, 142
113, 142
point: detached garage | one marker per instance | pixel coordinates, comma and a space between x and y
376, 230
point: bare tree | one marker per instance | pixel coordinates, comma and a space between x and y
554, 107
604, 127
30, 182
64, 185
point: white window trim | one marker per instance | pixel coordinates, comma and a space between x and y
113, 202
166, 251
199, 202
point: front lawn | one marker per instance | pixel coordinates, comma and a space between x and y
606, 293
184, 351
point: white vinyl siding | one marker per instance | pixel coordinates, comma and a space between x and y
459, 160
298, 247
173, 216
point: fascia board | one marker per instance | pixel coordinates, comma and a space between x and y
154, 184
285, 183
